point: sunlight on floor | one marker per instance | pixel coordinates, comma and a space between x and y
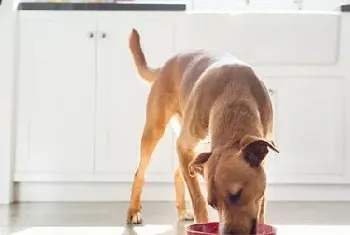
145, 230
153, 229
313, 229
71, 231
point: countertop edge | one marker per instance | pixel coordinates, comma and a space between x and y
345, 8
48, 6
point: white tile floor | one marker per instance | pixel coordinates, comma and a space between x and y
159, 218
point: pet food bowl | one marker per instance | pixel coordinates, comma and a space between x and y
213, 229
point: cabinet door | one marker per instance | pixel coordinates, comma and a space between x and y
56, 94
122, 96
309, 130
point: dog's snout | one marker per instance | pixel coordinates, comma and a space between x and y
226, 229
229, 229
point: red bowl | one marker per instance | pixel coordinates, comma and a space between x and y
213, 229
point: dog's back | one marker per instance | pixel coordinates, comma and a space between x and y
204, 76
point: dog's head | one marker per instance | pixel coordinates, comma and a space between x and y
236, 182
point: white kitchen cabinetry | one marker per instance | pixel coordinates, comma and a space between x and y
307, 87
81, 105
309, 130
122, 96
264, 39
55, 95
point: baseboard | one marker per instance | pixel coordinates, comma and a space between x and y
110, 192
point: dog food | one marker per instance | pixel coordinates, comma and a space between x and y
213, 229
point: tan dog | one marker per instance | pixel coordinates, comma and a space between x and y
217, 96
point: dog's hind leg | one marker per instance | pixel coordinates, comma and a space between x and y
158, 115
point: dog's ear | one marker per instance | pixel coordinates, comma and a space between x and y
196, 166
255, 149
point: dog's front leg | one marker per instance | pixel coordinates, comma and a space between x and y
186, 155
262, 211
261, 218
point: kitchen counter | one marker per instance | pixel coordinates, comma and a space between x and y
345, 8
48, 6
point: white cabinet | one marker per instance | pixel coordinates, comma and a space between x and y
309, 129
122, 96
308, 88
81, 104
264, 39
56, 95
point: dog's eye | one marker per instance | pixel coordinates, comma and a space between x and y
234, 197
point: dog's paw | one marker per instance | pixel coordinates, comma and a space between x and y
134, 217
186, 216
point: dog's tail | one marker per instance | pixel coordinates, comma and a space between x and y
148, 74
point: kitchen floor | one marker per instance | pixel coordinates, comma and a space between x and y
159, 218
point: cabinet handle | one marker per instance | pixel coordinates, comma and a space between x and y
91, 35
298, 3
103, 35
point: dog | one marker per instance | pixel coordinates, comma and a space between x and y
215, 96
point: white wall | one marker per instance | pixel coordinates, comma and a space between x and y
224, 5
6, 75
